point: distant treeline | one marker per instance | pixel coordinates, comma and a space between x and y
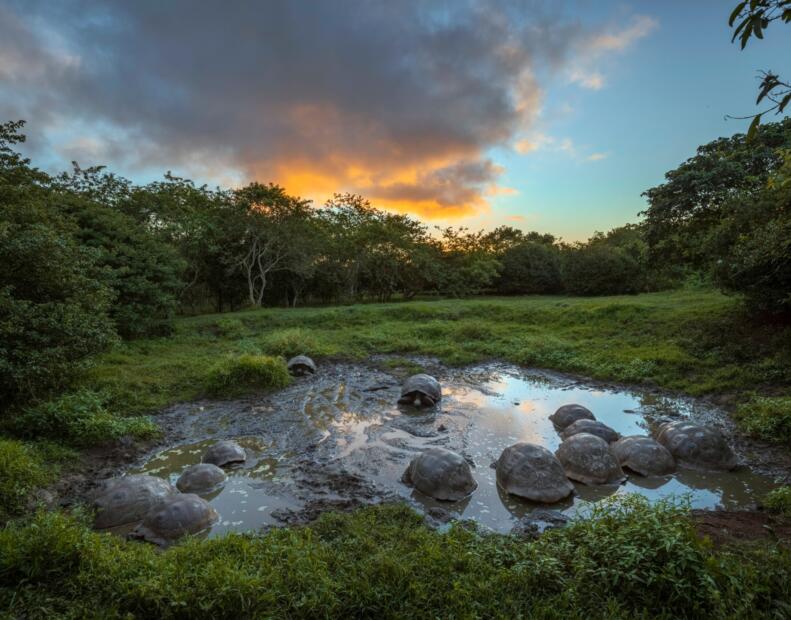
88, 256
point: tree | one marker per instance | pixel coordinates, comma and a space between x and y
749, 19
530, 268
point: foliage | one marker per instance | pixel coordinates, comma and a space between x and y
80, 419
600, 269
21, 470
530, 268
290, 342
779, 500
766, 417
236, 375
631, 560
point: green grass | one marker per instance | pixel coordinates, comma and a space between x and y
779, 501
693, 341
245, 373
24, 466
631, 560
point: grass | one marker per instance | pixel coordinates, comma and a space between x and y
23, 467
245, 373
693, 341
630, 560
779, 501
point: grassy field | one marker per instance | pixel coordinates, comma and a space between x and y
697, 342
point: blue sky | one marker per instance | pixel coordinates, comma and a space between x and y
544, 116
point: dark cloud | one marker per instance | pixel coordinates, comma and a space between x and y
400, 100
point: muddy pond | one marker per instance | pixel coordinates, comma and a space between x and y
338, 439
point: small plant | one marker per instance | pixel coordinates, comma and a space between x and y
231, 328
766, 417
21, 470
234, 376
290, 342
80, 419
779, 501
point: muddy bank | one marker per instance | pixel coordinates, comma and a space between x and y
724, 527
337, 440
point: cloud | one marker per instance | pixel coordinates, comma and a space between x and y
597, 156
594, 47
398, 101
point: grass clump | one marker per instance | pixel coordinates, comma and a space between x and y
633, 560
237, 375
231, 328
779, 501
22, 469
80, 418
290, 342
766, 417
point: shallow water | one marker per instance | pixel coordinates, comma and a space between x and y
338, 439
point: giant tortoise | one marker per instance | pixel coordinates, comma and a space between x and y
531, 471
177, 515
127, 499
588, 459
224, 452
200, 478
420, 390
643, 455
301, 365
700, 447
568, 414
594, 427
441, 474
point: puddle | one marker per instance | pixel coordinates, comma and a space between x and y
338, 439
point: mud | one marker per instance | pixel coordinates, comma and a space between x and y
338, 440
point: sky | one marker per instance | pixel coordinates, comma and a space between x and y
541, 115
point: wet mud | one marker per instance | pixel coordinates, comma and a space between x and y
338, 440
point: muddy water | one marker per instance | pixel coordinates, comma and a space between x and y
338, 440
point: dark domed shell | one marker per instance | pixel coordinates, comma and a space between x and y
643, 455
594, 427
421, 390
224, 452
568, 414
531, 471
301, 365
200, 478
701, 447
589, 460
128, 499
176, 516
441, 474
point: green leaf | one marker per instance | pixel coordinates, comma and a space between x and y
753, 127
736, 12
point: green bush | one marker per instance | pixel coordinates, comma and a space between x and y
245, 373
599, 269
80, 419
530, 268
21, 470
629, 560
766, 417
231, 328
779, 500
290, 342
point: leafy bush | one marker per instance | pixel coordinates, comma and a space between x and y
231, 328
779, 500
290, 342
599, 269
530, 268
245, 373
766, 417
81, 419
21, 470
630, 560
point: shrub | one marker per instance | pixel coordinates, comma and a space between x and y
246, 373
599, 269
530, 268
231, 328
81, 419
766, 417
779, 500
290, 342
629, 560
21, 470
